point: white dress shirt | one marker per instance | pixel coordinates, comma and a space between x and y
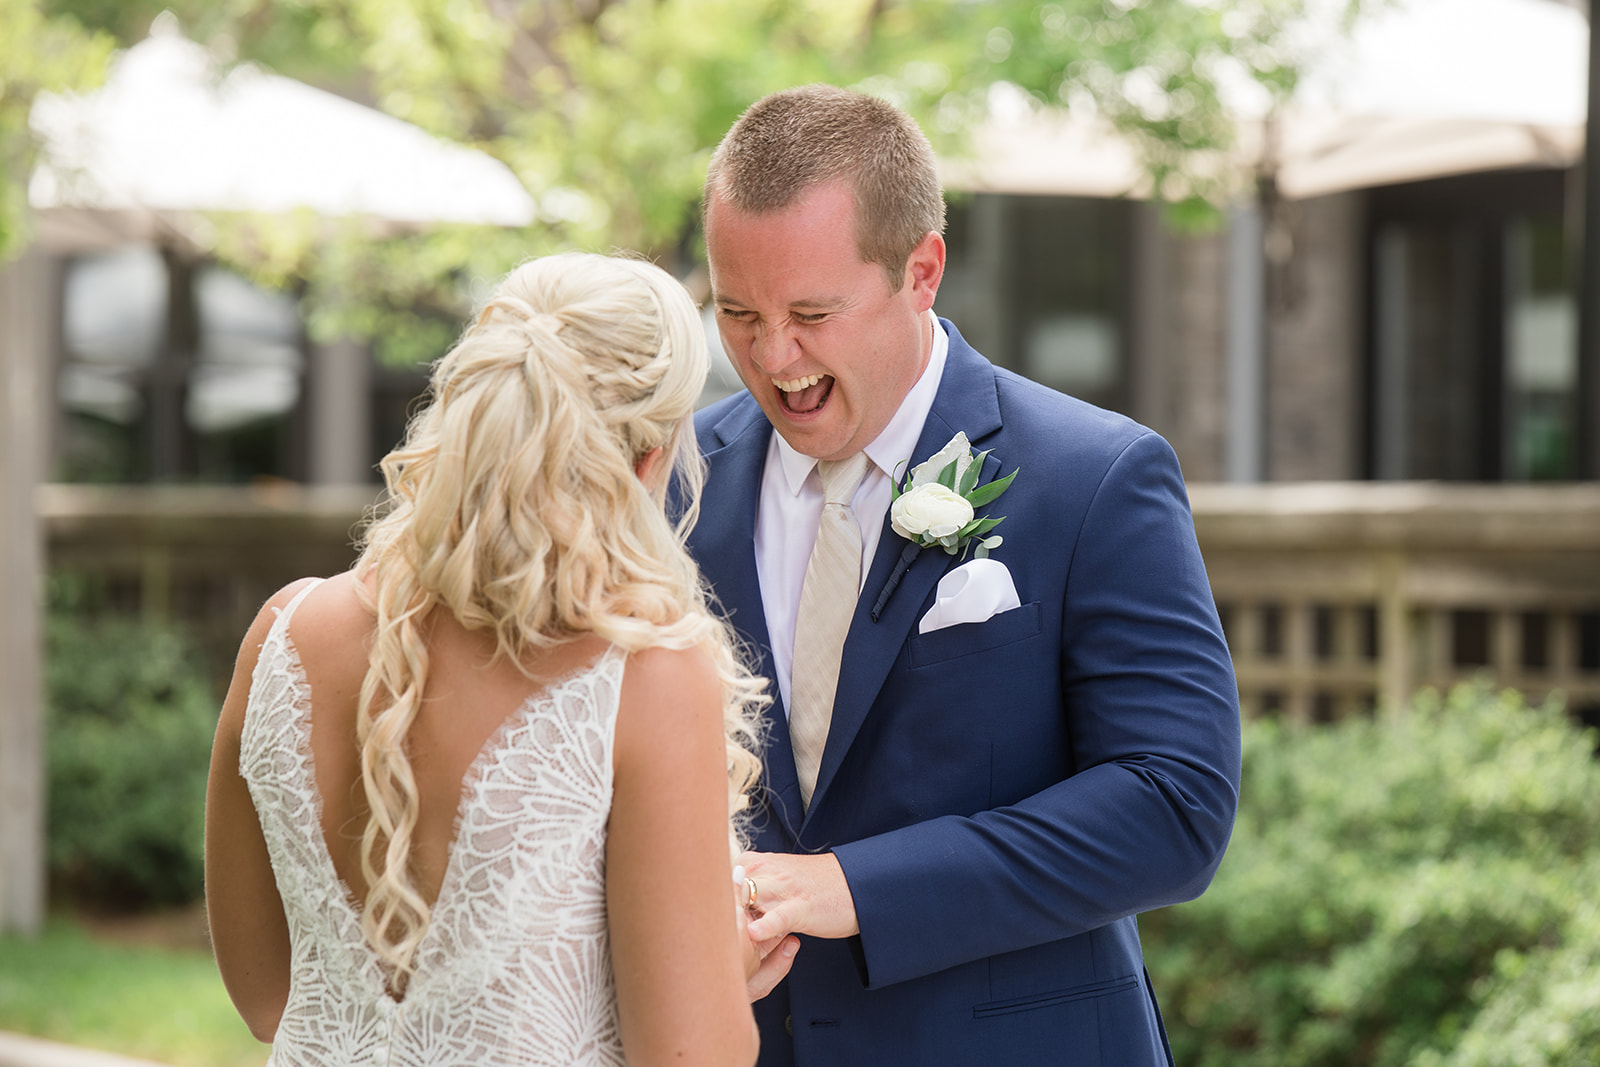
790, 507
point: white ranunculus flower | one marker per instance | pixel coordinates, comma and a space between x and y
959, 449
929, 511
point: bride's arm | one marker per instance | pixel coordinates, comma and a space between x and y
248, 931
676, 946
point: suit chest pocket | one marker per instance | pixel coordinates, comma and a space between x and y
969, 639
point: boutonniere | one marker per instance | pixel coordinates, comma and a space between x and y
938, 503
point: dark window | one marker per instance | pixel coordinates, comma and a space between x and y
1271, 631
1472, 367
173, 371
1535, 640
1038, 284
1469, 638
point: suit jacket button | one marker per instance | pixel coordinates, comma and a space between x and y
788, 1025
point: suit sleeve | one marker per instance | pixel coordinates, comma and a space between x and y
1151, 707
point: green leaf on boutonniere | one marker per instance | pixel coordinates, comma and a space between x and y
982, 551
984, 494
947, 477
980, 526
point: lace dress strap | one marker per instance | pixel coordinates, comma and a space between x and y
276, 685
294, 602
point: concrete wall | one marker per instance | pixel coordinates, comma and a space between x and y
27, 303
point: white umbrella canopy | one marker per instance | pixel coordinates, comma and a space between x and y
1439, 87
1425, 89
1523, 61
169, 134
1052, 152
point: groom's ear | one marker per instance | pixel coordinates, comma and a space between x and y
925, 269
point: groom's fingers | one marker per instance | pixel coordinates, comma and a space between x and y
800, 895
770, 926
775, 963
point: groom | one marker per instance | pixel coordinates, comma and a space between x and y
960, 820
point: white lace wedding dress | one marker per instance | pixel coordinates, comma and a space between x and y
515, 968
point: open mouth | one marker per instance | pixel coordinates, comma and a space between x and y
801, 396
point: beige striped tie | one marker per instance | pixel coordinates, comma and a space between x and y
827, 601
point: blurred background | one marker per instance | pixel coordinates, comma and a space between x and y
1333, 250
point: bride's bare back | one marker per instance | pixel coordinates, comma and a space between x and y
466, 700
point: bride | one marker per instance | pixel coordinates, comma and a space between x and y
477, 800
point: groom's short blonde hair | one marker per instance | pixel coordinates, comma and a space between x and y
792, 141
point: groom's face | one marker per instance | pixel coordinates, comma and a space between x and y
822, 341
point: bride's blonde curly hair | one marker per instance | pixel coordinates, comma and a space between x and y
514, 505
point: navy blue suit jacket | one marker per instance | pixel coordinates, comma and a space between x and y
1003, 796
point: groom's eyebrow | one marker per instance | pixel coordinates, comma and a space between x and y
822, 303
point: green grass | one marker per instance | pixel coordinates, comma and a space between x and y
163, 1004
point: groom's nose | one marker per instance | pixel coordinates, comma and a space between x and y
774, 348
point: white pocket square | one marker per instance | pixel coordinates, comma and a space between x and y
972, 592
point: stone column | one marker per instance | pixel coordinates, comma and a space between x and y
340, 398
27, 329
1179, 307
1244, 449
1313, 377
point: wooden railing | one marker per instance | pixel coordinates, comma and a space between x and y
209, 556
1337, 598
1342, 597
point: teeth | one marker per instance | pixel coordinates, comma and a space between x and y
797, 384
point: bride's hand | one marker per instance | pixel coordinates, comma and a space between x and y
776, 957
766, 963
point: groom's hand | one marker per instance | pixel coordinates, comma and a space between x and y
799, 895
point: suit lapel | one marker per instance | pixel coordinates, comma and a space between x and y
967, 401
724, 542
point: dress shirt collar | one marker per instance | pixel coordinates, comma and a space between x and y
893, 446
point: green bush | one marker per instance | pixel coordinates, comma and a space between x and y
1414, 892
130, 718
1540, 1008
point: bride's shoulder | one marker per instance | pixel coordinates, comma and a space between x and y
275, 606
333, 599
330, 623
328, 602
661, 671
664, 691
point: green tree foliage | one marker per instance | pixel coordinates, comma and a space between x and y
130, 717
1412, 892
607, 110
40, 53
1174, 77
